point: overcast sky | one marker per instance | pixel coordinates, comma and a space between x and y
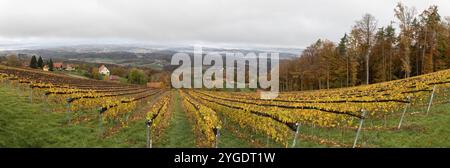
285, 23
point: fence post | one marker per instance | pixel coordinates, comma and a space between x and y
431, 99
149, 138
361, 122
296, 135
217, 137
404, 111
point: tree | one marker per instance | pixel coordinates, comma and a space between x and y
390, 40
12, 60
95, 74
33, 62
330, 63
136, 76
367, 27
119, 71
354, 52
446, 41
40, 63
342, 50
378, 56
405, 16
430, 20
50, 65
367, 54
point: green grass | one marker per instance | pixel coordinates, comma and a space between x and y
32, 125
180, 132
23, 124
418, 130
228, 140
27, 125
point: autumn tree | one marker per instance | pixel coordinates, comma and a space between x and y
12, 60
405, 17
366, 28
370, 54
378, 55
136, 76
430, 21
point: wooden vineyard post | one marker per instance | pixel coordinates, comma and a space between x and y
149, 138
403, 114
217, 133
431, 99
296, 135
361, 122
267, 140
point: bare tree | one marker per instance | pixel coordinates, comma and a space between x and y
367, 26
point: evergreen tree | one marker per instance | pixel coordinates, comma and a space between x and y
33, 63
40, 63
342, 50
50, 65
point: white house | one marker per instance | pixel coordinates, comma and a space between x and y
69, 67
45, 68
103, 70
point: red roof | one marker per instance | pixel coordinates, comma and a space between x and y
58, 64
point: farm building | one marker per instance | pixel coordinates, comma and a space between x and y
45, 68
103, 70
58, 65
69, 67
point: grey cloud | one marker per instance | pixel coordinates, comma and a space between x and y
271, 22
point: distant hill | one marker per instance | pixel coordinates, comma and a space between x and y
156, 56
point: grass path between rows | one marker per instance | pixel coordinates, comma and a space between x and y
180, 133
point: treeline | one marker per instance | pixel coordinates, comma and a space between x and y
371, 54
39, 63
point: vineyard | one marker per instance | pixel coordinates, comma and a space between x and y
81, 100
362, 116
